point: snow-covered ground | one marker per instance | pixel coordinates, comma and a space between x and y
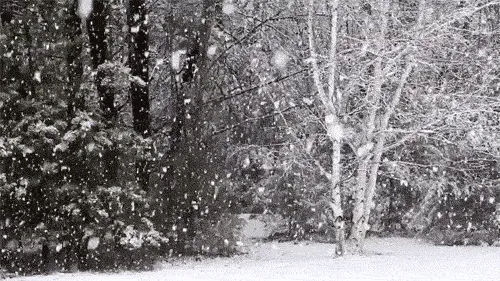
387, 259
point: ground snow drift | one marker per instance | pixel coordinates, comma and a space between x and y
386, 259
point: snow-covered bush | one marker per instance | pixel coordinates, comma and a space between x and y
106, 228
447, 199
55, 190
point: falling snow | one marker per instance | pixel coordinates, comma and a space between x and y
212, 50
151, 135
37, 76
85, 8
228, 7
280, 59
134, 29
93, 243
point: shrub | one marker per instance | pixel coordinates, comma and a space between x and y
221, 237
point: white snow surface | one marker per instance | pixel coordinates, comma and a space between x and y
385, 259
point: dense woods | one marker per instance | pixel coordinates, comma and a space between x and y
135, 130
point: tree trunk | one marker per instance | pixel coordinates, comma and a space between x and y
98, 39
73, 61
335, 132
96, 25
360, 221
330, 100
380, 141
27, 82
369, 165
139, 90
336, 200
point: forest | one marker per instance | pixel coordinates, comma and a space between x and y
132, 131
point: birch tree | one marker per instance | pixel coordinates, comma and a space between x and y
380, 108
377, 110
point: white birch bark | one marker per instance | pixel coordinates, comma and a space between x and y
369, 173
360, 222
380, 142
332, 122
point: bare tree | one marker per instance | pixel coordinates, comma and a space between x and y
377, 109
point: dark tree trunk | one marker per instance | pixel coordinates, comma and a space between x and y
45, 257
138, 59
98, 39
73, 61
187, 151
193, 76
17, 22
139, 90
29, 80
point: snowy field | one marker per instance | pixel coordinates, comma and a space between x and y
386, 259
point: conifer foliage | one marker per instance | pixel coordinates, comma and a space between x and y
79, 174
